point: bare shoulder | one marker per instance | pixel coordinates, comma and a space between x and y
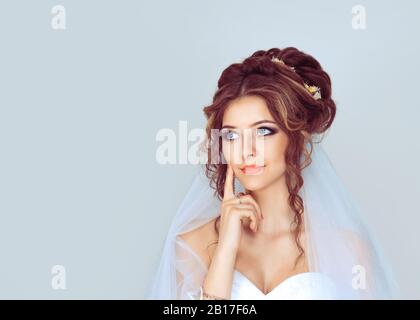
202, 240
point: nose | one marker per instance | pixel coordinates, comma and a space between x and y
248, 146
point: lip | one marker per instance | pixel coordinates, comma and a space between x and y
252, 170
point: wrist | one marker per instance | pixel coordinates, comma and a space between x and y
208, 296
226, 250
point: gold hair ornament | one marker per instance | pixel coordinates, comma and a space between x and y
313, 90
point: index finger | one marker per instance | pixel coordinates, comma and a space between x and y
228, 191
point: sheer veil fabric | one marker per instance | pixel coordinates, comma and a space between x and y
339, 246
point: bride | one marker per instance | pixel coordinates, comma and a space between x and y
293, 232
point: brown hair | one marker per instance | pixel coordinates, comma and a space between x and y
296, 111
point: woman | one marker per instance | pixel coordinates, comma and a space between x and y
294, 232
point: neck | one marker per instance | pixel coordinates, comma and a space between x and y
274, 204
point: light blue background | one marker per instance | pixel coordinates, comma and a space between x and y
80, 109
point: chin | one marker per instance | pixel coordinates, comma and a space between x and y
258, 182
253, 183
253, 188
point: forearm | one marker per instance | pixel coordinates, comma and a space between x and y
218, 281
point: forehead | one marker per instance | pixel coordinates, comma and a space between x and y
246, 110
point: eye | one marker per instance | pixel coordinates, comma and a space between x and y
229, 135
265, 131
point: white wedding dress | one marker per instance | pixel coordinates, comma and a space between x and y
302, 286
342, 252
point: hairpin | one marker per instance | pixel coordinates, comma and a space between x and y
313, 90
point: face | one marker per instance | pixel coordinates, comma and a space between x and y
253, 143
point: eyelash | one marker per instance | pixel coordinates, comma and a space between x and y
227, 132
271, 131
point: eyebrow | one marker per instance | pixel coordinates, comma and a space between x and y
253, 124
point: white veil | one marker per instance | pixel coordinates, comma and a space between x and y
339, 245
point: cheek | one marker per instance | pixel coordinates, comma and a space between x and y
227, 154
274, 151
231, 152
275, 160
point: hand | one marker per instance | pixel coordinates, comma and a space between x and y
234, 210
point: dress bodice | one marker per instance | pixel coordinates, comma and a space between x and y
307, 285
